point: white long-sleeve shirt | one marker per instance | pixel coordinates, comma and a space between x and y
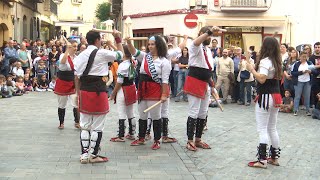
100, 65
162, 65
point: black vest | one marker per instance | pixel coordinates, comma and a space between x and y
271, 86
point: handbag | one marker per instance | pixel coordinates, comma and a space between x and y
245, 74
231, 78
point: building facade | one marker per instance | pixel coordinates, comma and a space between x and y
77, 17
247, 21
6, 23
34, 19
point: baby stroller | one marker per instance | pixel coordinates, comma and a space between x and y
41, 66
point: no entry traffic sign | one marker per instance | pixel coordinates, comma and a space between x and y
191, 20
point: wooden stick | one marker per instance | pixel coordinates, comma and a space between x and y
180, 36
153, 106
103, 31
219, 105
138, 38
179, 93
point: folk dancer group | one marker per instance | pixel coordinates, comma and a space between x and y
90, 70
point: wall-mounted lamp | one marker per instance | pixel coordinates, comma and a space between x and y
12, 18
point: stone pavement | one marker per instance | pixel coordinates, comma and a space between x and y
32, 147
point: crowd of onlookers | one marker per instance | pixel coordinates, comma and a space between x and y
33, 66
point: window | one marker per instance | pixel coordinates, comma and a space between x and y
76, 1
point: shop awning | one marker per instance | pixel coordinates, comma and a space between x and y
73, 24
245, 21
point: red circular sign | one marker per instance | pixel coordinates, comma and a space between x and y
191, 20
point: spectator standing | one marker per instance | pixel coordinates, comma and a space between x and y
37, 50
315, 59
24, 57
284, 51
287, 68
246, 80
307, 49
183, 72
214, 48
83, 42
301, 77
10, 56
54, 56
225, 68
215, 63
253, 53
235, 93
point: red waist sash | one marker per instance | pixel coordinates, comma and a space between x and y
149, 90
276, 97
64, 88
93, 103
130, 94
195, 87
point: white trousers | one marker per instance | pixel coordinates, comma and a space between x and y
165, 109
91, 132
124, 112
198, 108
92, 122
267, 123
62, 101
155, 113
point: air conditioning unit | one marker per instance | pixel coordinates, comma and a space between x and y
204, 3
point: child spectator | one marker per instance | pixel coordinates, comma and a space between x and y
316, 111
43, 84
35, 83
18, 69
4, 93
41, 69
27, 83
287, 103
10, 78
28, 72
53, 83
20, 85
11, 89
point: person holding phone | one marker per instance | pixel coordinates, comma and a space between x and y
301, 77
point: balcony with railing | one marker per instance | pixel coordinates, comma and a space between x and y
245, 5
50, 7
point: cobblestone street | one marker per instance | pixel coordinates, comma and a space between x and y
34, 148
